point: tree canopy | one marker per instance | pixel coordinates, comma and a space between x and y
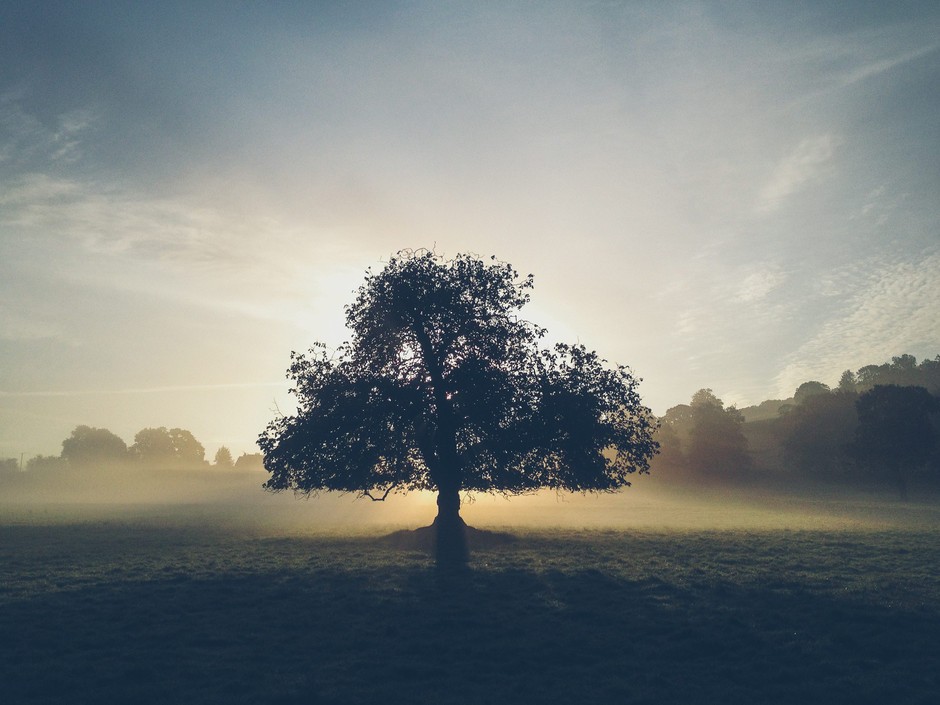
443, 386
88, 447
895, 431
173, 448
809, 389
223, 458
816, 432
903, 371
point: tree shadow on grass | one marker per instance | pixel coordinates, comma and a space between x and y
368, 632
424, 539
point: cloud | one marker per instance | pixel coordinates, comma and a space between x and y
25, 140
759, 284
109, 221
182, 250
25, 198
67, 139
893, 311
804, 164
20, 132
880, 206
879, 66
170, 389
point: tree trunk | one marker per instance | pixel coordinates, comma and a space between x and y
450, 544
450, 535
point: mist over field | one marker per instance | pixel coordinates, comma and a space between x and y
236, 500
819, 459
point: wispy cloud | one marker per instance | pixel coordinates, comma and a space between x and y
170, 248
107, 220
105, 217
893, 311
806, 163
25, 199
25, 140
757, 285
170, 389
875, 67
67, 139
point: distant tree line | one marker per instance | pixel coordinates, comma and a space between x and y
89, 448
881, 423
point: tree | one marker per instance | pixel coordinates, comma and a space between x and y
670, 448
679, 418
847, 383
443, 387
173, 448
190, 453
817, 432
46, 463
866, 377
895, 430
904, 371
89, 447
153, 446
929, 375
223, 458
249, 462
809, 389
717, 445
673, 434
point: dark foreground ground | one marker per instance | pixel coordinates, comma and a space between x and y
121, 613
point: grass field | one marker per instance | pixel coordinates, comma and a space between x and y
119, 611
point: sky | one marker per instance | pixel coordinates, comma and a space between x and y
740, 196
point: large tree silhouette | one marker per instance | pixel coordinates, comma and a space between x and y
444, 387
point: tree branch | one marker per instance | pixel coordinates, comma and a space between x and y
366, 493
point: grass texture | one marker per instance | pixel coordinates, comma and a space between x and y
115, 612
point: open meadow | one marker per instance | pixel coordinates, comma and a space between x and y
164, 604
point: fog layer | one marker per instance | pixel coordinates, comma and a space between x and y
237, 501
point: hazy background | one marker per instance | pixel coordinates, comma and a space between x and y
234, 502
720, 195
